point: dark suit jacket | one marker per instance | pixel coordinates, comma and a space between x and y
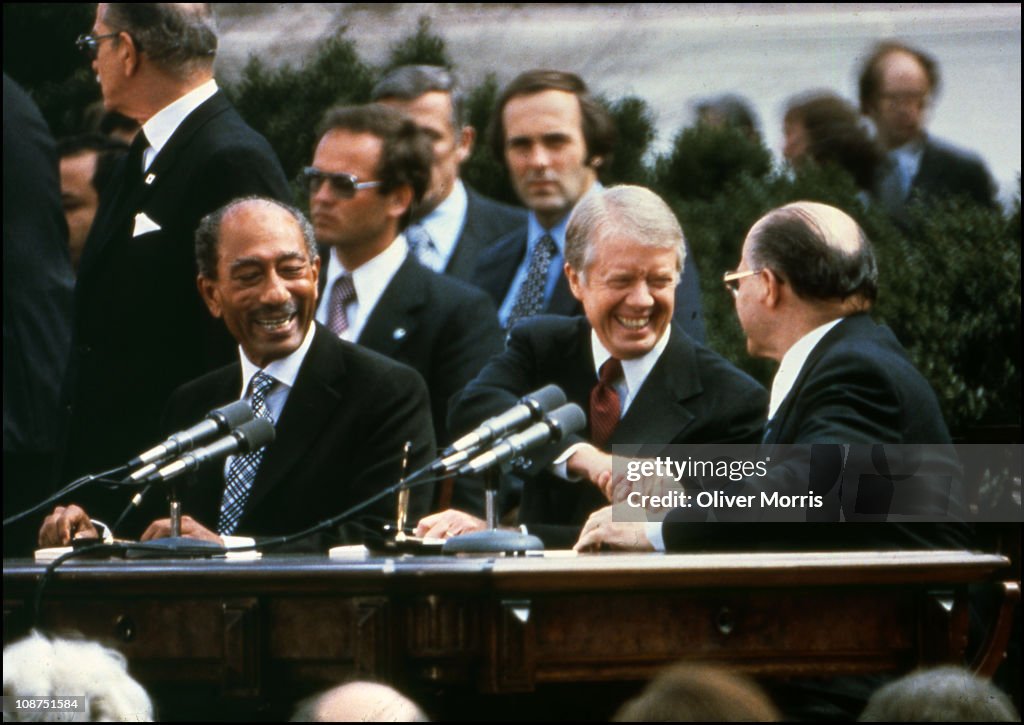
339, 441
947, 170
141, 328
692, 395
858, 386
38, 285
486, 221
497, 266
441, 327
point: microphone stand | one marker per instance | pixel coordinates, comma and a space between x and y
175, 545
493, 540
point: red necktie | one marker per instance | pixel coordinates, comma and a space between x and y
605, 405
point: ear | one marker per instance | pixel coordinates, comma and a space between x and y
128, 54
464, 146
399, 201
208, 291
575, 283
772, 288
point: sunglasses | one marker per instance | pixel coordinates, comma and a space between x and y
343, 186
90, 44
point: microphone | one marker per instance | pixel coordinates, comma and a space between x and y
530, 407
555, 426
245, 438
218, 420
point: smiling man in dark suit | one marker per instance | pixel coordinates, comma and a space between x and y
642, 378
342, 413
453, 223
371, 167
140, 328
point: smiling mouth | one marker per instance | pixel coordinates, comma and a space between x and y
275, 324
633, 323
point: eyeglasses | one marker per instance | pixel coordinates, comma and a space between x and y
343, 186
732, 279
90, 44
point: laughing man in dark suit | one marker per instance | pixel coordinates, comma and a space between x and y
624, 257
342, 413
140, 329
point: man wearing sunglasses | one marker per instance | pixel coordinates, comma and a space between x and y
371, 167
141, 329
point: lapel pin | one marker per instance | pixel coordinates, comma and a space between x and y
150, 178
398, 334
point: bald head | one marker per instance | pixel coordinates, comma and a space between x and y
359, 702
820, 251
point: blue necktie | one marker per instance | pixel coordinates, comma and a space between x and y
242, 471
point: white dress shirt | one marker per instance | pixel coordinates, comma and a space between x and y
162, 125
444, 225
370, 280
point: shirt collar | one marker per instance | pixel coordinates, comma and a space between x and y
165, 122
445, 223
793, 362
372, 278
636, 370
535, 230
285, 370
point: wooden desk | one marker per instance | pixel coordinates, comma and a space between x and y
287, 624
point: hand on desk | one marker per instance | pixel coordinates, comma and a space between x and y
600, 532
65, 524
449, 523
161, 529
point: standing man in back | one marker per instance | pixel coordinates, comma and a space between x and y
453, 223
555, 138
141, 329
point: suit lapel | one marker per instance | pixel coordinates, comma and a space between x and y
659, 411
497, 266
305, 415
116, 220
775, 427
397, 311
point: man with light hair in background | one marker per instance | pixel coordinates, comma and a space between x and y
65, 669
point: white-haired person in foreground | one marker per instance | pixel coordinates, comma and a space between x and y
359, 702
65, 669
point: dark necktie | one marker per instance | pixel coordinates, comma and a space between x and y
605, 406
133, 162
530, 300
342, 293
243, 469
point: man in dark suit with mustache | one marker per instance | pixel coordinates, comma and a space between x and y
342, 413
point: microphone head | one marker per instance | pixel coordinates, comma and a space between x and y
255, 434
566, 420
233, 415
546, 399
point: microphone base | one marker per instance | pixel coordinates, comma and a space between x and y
492, 541
175, 547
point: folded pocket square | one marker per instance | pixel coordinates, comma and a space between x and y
144, 225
